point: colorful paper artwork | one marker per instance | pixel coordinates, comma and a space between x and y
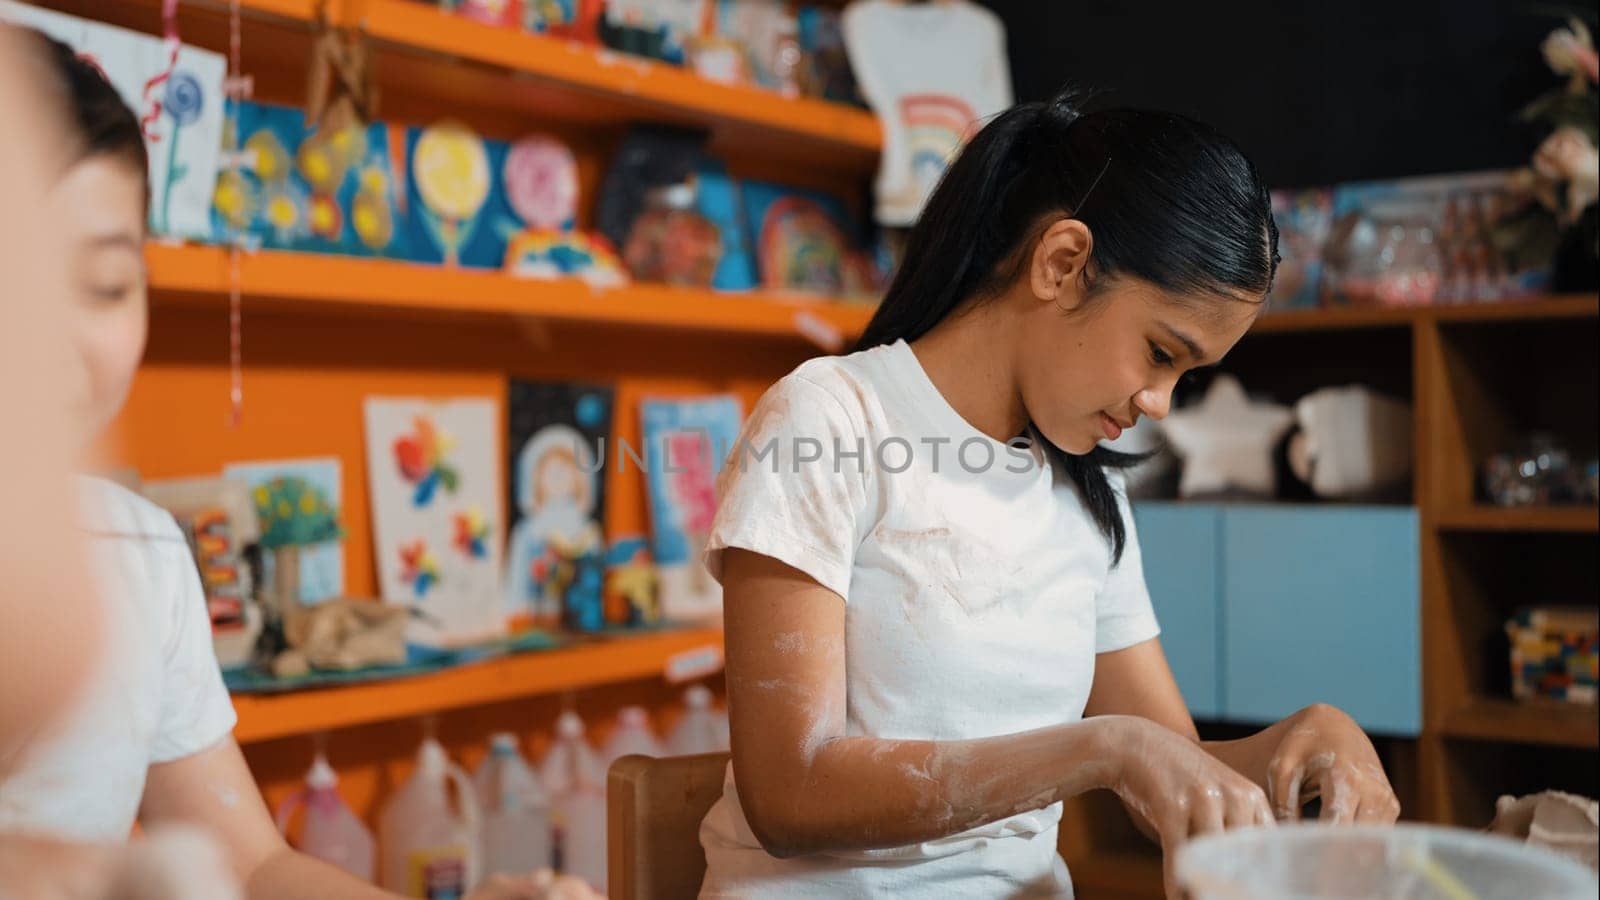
433, 473
297, 503
687, 441
799, 238
181, 109
323, 192
557, 450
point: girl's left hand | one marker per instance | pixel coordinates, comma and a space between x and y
1324, 754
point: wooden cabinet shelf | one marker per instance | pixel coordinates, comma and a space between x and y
264, 717
1562, 519
1554, 723
311, 282
1344, 318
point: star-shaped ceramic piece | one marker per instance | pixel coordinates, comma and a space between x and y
1226, 441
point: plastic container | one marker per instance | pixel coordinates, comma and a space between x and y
631, 737
516, 811
1403, 862
702, 729
331, 832
577, 786
430, 847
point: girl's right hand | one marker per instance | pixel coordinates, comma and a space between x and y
1178, 789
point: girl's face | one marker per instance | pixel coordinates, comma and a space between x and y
102, 203
1092, 366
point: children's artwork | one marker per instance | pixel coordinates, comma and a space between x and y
671, 242
180, 107
324, 192
459, 213
433, 472
297, 504
546, 254
1303, 219
686, 441
633, 597
717, 198
218, 519
541, 181
799, 237
557, 451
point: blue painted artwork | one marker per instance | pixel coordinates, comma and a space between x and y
457, 209
297, 188
717, 198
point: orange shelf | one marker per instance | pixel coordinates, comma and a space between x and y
309, 282
1574, 519
608, 661
1547, 722
579, 80
1555, 306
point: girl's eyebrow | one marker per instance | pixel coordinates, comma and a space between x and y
1195, 353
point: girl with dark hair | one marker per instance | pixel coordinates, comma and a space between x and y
937, 627
149, 738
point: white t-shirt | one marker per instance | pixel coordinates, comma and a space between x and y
976, 599
932, 72
156, 695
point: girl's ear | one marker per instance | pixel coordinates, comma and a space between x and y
1059, 260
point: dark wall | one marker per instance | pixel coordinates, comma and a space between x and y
1316, 92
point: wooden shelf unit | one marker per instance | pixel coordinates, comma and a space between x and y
1575, 519
1486, 379
1509, 721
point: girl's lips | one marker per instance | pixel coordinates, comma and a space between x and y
1110, 427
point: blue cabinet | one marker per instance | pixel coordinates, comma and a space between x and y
1265, 609
1322, 604
1181, 556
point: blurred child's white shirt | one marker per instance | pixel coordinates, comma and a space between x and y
977, 593
155, 695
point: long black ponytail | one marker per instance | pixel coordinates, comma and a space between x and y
1168, 200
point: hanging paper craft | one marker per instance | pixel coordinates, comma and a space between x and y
297, 504
434, 478
687, 441
182, 115
556, 556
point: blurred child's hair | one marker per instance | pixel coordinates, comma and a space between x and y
99, 123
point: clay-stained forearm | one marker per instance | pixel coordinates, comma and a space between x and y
856, 793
